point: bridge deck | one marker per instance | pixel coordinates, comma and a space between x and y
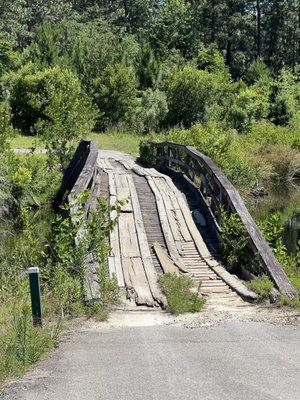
156, 211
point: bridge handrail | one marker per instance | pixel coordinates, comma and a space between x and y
78, 174
215, 186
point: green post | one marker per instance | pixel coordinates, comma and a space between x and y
35, 293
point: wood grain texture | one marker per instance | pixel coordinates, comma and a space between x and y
221, 190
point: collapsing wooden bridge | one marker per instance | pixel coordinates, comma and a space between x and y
168, 222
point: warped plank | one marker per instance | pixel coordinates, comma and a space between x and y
166, 262
149, 268
128, 237
172, 249
114, 236
198, 240
123, 193
165, 193
137, 281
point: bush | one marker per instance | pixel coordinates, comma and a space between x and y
50, 103
235, 245
6, 130
115, 94
262, 286
250, 104
191, 93
180, 298
155, 109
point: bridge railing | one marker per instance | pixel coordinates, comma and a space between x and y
79, 173
217, 191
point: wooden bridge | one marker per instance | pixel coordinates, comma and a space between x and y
169, 222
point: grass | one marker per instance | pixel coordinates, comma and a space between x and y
25, 142
124, 142
180, 297
262, 286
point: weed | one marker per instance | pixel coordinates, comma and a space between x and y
262, 286
180, 298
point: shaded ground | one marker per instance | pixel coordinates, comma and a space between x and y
137, 357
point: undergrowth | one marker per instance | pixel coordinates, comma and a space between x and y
180, 297
262, 286
51, 243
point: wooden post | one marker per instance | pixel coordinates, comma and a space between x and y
35, 293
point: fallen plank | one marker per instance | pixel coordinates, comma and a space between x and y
233, 282
135, 276
167, 264
112, 266
144, 247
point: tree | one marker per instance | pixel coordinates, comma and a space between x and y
115, 93
20, 18
85, 47
8, 58
191, 93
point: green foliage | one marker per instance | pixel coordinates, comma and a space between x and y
50, 103
250, 104
257, 72
262, 286
146, 153
285, 100
85, 47
6, 130
180, 298
235, 245
8, 58
115, 94
22, 344
191, 93
210, 59
155, 109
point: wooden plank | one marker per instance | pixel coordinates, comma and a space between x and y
114, 235
123, 192
197, 238
128, 236
112, 266
91, 281
149, 268
166, 194
135, 276
167, 264
171, 246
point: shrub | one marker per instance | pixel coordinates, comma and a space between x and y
155, 109
6, 130
191, 92
180, 298
115, 94
249, 105
235, 245
262, 286
285, 102
50, 103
